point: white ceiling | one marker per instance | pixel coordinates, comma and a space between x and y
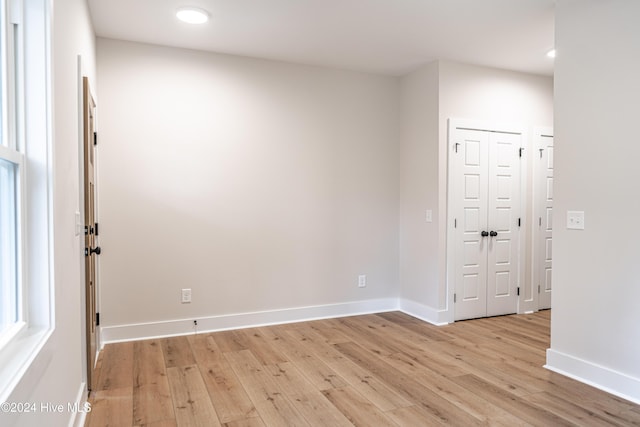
381, 36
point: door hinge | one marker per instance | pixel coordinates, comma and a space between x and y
454, 298
455, 223
538, 288
541, 150
520, 150
86, 230
540, 221
519, 222
97, 319
518, 291
96, 229
95, 138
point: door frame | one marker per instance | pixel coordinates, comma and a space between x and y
539, 133
452, 206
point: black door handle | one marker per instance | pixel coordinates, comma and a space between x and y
89, 251
484, 233
493, 233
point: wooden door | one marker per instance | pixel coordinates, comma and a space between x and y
545, 224
90, 230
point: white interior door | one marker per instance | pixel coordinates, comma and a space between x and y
486, 187
545, 224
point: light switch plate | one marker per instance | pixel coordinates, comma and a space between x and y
78, 223
575, 220
428, 215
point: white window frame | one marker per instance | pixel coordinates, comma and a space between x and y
17, 159
12, 150
29, 112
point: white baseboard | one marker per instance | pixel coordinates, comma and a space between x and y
589, 373
424, 312
597, 376
78, 418
140, 331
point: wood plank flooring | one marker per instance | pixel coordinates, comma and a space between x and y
385, 369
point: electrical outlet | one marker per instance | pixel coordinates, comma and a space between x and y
362, 280
428, 217
186, 296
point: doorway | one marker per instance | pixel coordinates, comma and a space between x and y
485, 218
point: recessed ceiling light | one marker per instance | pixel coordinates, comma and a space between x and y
192, 15
551, 53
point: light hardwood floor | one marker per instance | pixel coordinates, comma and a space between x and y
384, 369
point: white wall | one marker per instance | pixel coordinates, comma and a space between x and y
462, 91
594, 329
419, 268
57, 375
259, 185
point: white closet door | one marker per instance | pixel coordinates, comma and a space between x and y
471, 189
503, 216
486, 189
546, 227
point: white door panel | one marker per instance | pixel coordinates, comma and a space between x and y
503, 204
471, 265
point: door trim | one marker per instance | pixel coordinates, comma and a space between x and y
470, 124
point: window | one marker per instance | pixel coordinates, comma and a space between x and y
26, 320
11, 164
9, 290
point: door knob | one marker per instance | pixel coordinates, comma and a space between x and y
484, 233
493, 233
89, 251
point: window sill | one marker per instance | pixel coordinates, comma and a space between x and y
8, 335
